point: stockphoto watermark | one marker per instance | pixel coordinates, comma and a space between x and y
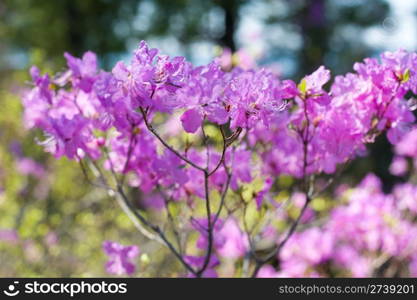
64, 288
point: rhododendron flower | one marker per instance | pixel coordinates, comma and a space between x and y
229, 240
191, 120
83, 71
235, 243
120, 258
407, 146
399, 166
203, 96
403, 65
311, 87
241, 167
263, 192
150, 80
406, 195
201, 226
253, 96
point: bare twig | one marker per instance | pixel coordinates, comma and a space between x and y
211, 223
154, 228
132, 141
170, 148
224, 193
167, 200
206, 173
209, 227
137, 218
290, 232
306, 186
221, 160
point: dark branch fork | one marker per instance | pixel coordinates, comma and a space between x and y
305, 138
227, 141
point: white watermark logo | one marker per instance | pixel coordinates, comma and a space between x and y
66, 288
12, 290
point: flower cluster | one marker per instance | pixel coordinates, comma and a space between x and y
380, 229
147, 120
319, 130
85, 109
326, 129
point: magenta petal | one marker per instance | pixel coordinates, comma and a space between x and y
191, 120
89, 65
120, 71
323, 99
120, 258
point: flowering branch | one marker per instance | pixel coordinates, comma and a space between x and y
89, 113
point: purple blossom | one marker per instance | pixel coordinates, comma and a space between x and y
9, 236
28, 166
83, 71
120, 258
235, 243
197, 262
191, 120
399, 166
311, 87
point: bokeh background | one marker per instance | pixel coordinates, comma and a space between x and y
52, 223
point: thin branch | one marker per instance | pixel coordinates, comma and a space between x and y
154, 228
137, 218
171, 218
207, 174
221, 160
205, 140
89, 181
290, 232
307, 184
129, 154
208, 211
224, 193
170, 148
209, 226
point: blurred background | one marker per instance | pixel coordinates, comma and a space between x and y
52, 223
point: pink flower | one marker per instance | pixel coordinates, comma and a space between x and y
191, 120
9, 236
120, 258
267, 271
235, 243
312, 86
407, 146
28, 166
83, 71
399, 166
